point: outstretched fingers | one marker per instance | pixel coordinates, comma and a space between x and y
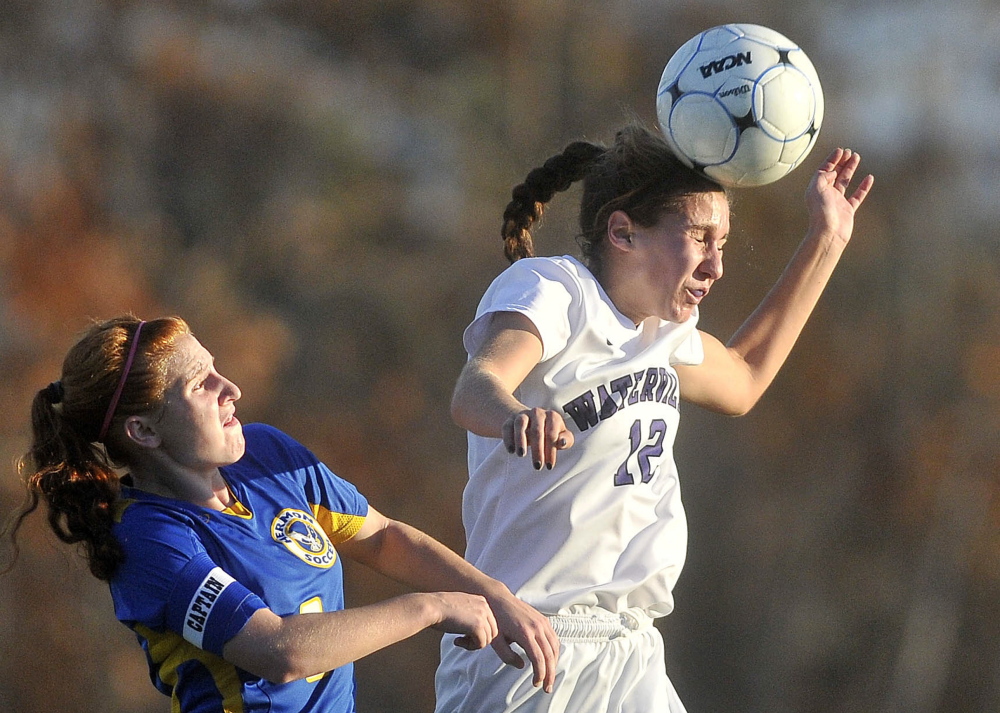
843, 164
845, 169
834, 159
861, 192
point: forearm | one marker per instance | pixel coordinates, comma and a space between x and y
484, 398
482, 402
415, 559
288, 648
737, 375
766, 338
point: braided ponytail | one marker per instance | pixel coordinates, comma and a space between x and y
637, 174
528, 199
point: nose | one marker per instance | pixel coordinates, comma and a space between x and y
230, 390
712, 264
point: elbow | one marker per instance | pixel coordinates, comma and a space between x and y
736, 404
269, 649
285, 667
742, 398
278, 666
460, 410
727, 409
741, 406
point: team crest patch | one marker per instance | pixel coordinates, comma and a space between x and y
301, 534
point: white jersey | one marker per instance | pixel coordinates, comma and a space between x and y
605, 527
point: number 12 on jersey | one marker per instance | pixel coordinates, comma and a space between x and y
642, 449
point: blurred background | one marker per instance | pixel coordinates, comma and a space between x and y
317, 188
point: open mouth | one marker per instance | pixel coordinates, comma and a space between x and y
698, 294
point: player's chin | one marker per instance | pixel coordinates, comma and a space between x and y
237, 444
681, 313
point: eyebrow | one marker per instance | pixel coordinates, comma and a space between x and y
197, 369
706, 228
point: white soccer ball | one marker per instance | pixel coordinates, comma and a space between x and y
740, 103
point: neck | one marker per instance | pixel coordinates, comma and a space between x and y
206, 489
620, 289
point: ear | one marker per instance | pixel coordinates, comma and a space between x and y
141, 431
620, 230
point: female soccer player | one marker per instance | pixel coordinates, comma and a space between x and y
571, 394
222, 545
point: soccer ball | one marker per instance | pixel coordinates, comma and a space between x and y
741, 104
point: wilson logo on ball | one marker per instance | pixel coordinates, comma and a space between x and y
736, 91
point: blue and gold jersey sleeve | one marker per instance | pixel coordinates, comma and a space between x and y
337, 505
168, 582
208, 606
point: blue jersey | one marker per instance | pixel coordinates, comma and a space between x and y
192, 576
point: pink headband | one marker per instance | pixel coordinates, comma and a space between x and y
121, 384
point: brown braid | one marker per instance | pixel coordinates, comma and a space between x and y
528, 199
637, 174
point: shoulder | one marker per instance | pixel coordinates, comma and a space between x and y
155, 531
262, 435
684, 341
274, 459
552, 292
563, 269
136, 511
538, 283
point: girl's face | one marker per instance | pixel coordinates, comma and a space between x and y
198, 428
680, 258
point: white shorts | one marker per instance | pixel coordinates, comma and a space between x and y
607, 662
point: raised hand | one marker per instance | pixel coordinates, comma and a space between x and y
831, 209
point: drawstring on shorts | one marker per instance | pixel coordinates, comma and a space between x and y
605, 626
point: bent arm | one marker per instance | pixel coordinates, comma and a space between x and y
287, 648
484, 401
283, 649
733, 377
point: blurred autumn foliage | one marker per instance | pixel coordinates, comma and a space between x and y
316, 188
